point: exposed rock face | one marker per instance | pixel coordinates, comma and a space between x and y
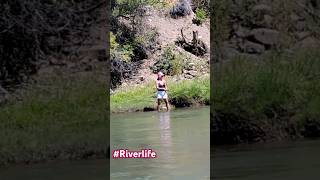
265, 36
258, 26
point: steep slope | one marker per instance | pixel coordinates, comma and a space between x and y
169, 30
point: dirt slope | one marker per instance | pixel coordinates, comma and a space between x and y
169, 30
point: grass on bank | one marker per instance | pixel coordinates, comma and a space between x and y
58, 118
280, 91
181, 93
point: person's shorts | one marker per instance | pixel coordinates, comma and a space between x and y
162, 95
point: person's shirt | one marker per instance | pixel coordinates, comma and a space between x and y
161, 85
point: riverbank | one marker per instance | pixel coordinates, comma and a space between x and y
60, 117
272, 98
183, 93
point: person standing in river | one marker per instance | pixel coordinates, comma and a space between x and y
162, 89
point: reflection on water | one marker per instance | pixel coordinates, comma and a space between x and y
165, 134
275, 161
176, 136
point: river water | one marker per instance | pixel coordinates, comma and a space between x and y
272, 161
73, 170
180, 138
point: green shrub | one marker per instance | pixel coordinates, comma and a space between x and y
189, 92
277, 87
124, 52
201, 16
132, 7
147, 38
170, 62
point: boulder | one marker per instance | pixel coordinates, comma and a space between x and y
265, 36
309, 42
262, 9
191, 66
302, 35
253, 48
192, 73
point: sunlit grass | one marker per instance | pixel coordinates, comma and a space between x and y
144, 96
278, 87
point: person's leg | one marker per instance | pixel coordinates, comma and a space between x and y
158, 106
167, 104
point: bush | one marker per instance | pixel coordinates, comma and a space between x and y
120, 70
132, 7
124, 52
131, 42
201, 16
169, 63
147, 37
203, 4
188, 93
281, 88
182, 8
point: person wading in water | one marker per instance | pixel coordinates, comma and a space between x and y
162, 89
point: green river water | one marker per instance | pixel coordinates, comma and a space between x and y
180, 138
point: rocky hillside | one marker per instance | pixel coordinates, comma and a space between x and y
255, 27
265, 79
160, 37
38, 38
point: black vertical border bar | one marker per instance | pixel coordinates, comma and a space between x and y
106, 37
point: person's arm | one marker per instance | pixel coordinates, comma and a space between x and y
157, 86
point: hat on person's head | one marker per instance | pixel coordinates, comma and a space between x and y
160, 74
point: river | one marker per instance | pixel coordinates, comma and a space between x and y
72, 170
180, 138
277, 161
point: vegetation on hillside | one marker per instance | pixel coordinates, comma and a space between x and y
201, 16
265, 77
275, 98
170, 62
132, 40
